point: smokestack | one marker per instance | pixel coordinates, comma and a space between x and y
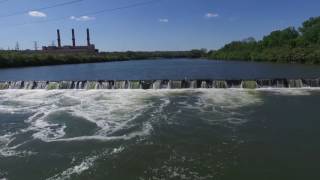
59, 38
73, 38
88, 37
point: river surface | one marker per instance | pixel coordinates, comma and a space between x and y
172, 69
194, 134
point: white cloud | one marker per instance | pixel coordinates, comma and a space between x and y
37, 14
212, 15
164, 20
82, 18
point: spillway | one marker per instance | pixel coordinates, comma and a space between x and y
162, 84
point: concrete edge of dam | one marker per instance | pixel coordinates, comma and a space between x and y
163, 84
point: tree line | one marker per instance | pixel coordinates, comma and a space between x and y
290, 45
31, 58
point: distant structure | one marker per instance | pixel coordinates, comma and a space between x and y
17, 47
36, 45
89, 48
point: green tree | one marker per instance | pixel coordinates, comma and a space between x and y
281, 38
311, 30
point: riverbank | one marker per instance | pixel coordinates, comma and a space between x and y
291, 45
287, 55
10, 59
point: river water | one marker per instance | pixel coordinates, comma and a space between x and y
191, 134
172, 69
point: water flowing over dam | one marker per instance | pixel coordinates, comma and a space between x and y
162, 84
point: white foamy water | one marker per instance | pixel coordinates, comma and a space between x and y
8, 151
229, 99
224, 105
290, 91
75, 170
111, 111
85, 165
115, 115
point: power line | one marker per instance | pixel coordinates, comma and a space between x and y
42, 8
93, 13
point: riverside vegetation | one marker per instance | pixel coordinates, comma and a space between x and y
290, 45
31, 58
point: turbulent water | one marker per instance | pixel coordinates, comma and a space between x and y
159, 134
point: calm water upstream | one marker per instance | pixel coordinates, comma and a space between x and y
162, 69
200, 134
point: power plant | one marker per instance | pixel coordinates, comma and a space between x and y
89, 48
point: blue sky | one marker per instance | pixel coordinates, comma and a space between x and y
159, 25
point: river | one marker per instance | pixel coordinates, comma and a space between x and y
172, 69
191, 134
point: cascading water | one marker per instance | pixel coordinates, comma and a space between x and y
234, 84
193, 84
162, 84
249, 84
296, 83
134, 85
120, 85
220, 84
106, 85
204, 84
175, 85
29, 85
281, 83
16, 85
41, 85
157, 85
312, 82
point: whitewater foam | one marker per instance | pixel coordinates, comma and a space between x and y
8, 151
85, 165
75, 170
290, 91
111, 111
116, 113
223, 105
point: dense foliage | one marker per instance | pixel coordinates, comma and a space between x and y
31, 58
290, 45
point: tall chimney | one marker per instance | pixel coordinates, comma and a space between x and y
88, 37
73, 38
59, 38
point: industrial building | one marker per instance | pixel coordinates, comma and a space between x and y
89, 48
